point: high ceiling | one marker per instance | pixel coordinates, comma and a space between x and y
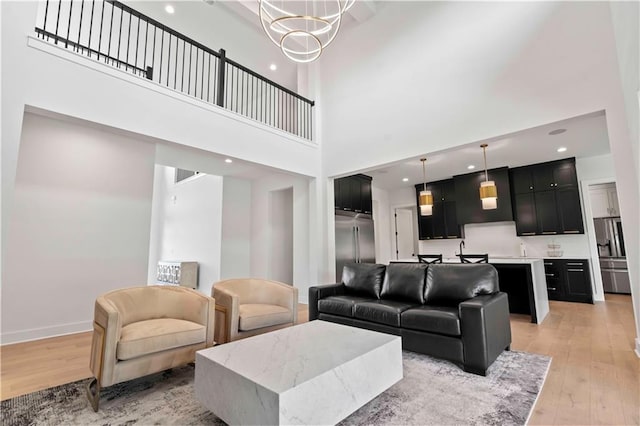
585, 136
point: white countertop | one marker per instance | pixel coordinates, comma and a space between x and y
503, 259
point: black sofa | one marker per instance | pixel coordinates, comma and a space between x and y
450, 311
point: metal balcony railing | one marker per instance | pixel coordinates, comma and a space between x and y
113, 33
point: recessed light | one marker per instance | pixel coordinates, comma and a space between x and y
273, 67
471, 167
169, 9
562, 149
405, 179
228, 160
557, 131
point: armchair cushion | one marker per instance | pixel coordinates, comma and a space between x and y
448, 285
257, 315
157, 335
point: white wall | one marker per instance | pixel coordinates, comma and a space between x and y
235, 258
281, 235
191, 220
626, 25
78, 87
79, 228
260, 233
382, 217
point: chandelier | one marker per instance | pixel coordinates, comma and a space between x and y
488, 190
426, 199
302, 28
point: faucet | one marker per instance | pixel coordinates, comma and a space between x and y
461, 245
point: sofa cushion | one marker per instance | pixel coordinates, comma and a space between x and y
450, 284
382, 311
340, 305
258, 315
405, 282
434, 319
363, 279
157, 335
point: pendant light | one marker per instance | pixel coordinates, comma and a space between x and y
488, 190
426, 199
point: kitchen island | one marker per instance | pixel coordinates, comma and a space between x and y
523, 279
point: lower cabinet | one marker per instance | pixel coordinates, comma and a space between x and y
568, 280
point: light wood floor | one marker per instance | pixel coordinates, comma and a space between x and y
594, 376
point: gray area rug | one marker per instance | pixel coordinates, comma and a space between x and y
432, 392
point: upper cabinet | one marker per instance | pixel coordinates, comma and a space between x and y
443, 222
468, 203
604, 200
546, 199
353, 193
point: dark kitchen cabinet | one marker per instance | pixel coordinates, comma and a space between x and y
468, 203
353, 193
546, 212
569, 211
568, 280
524, 207
443, 222
546, 194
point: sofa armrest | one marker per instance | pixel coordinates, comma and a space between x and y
486, 330
320, 292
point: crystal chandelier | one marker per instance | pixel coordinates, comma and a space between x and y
302, 28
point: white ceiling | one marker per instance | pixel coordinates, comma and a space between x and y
586, 136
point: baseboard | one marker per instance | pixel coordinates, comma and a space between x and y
638, 347
44, 332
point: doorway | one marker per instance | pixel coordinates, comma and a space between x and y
281, 238
405, 235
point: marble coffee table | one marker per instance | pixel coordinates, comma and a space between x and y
313, 373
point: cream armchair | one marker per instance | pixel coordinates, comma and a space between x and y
143, 330
249, 306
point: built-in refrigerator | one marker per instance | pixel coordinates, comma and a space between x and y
613, 261
354, 239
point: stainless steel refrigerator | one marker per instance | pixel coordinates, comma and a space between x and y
354, 240
613, 262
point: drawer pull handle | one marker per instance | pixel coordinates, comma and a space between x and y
528, 233
550, 275
551, 288
575, 264
576, 270
548, 264
571, 232
437, 238
549, 233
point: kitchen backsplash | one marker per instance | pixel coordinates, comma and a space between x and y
500, 239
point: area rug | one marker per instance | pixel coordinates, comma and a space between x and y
432, 392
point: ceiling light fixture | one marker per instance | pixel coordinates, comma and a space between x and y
228, 160
405, 179
169, 9
302, 29
562, 149
557, 132
273, 67
471, 167
426, 199
488, 190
